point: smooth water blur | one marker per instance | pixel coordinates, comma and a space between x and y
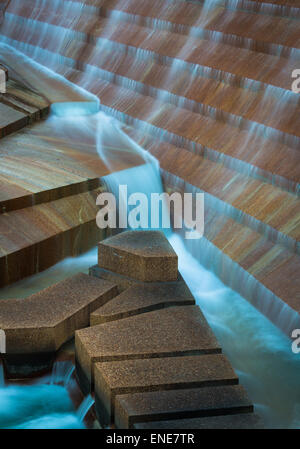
45, 404
37, 407
260, 353
57, 273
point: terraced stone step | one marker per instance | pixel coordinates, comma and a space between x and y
238, 421
146, 256
282, 8
280, 133
186, 18
168, 373
143, 298
238, 149
180, 404
273, 70
20, 107
43, 322
250, 104
242, 108
175, 331
37, 237
234, 134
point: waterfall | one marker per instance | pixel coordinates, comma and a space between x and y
62, 373
84, 407
2, 377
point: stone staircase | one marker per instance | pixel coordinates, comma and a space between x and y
150, 354
207, 88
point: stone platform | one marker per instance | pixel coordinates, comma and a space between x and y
150, 354
20, 107
36, 327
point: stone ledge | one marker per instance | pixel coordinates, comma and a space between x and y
144, 255
143, 298
168, 332
189, 403
239, 421
43, 322
169, 373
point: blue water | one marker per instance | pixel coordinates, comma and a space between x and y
37, 407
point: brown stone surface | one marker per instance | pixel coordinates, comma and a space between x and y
124, 282
171, 404
168, 373
35, 238
46, 320
143, 298
19, 107
10, 120
239, 421
168, 332
145, 255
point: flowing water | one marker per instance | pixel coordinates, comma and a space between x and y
44, 404
259, 352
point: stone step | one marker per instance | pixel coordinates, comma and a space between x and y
238, 421
237, 28
146, 256
175, 331
84, 53
169, 373
242, 108
143, 298
43, 322
209, 96
206, 135
199, 134
180, 404
191, 50
11, 120
37, 237
19, 107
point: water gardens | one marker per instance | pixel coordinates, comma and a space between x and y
224, 129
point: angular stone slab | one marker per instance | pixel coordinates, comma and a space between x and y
239, 421
19, 107
168, 332
46, 320
143, 255
122, 281
177, 404
143, 298
168, 373
10, 120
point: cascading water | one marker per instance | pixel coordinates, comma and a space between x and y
85, 407
2, 378
260, 352
44, 404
